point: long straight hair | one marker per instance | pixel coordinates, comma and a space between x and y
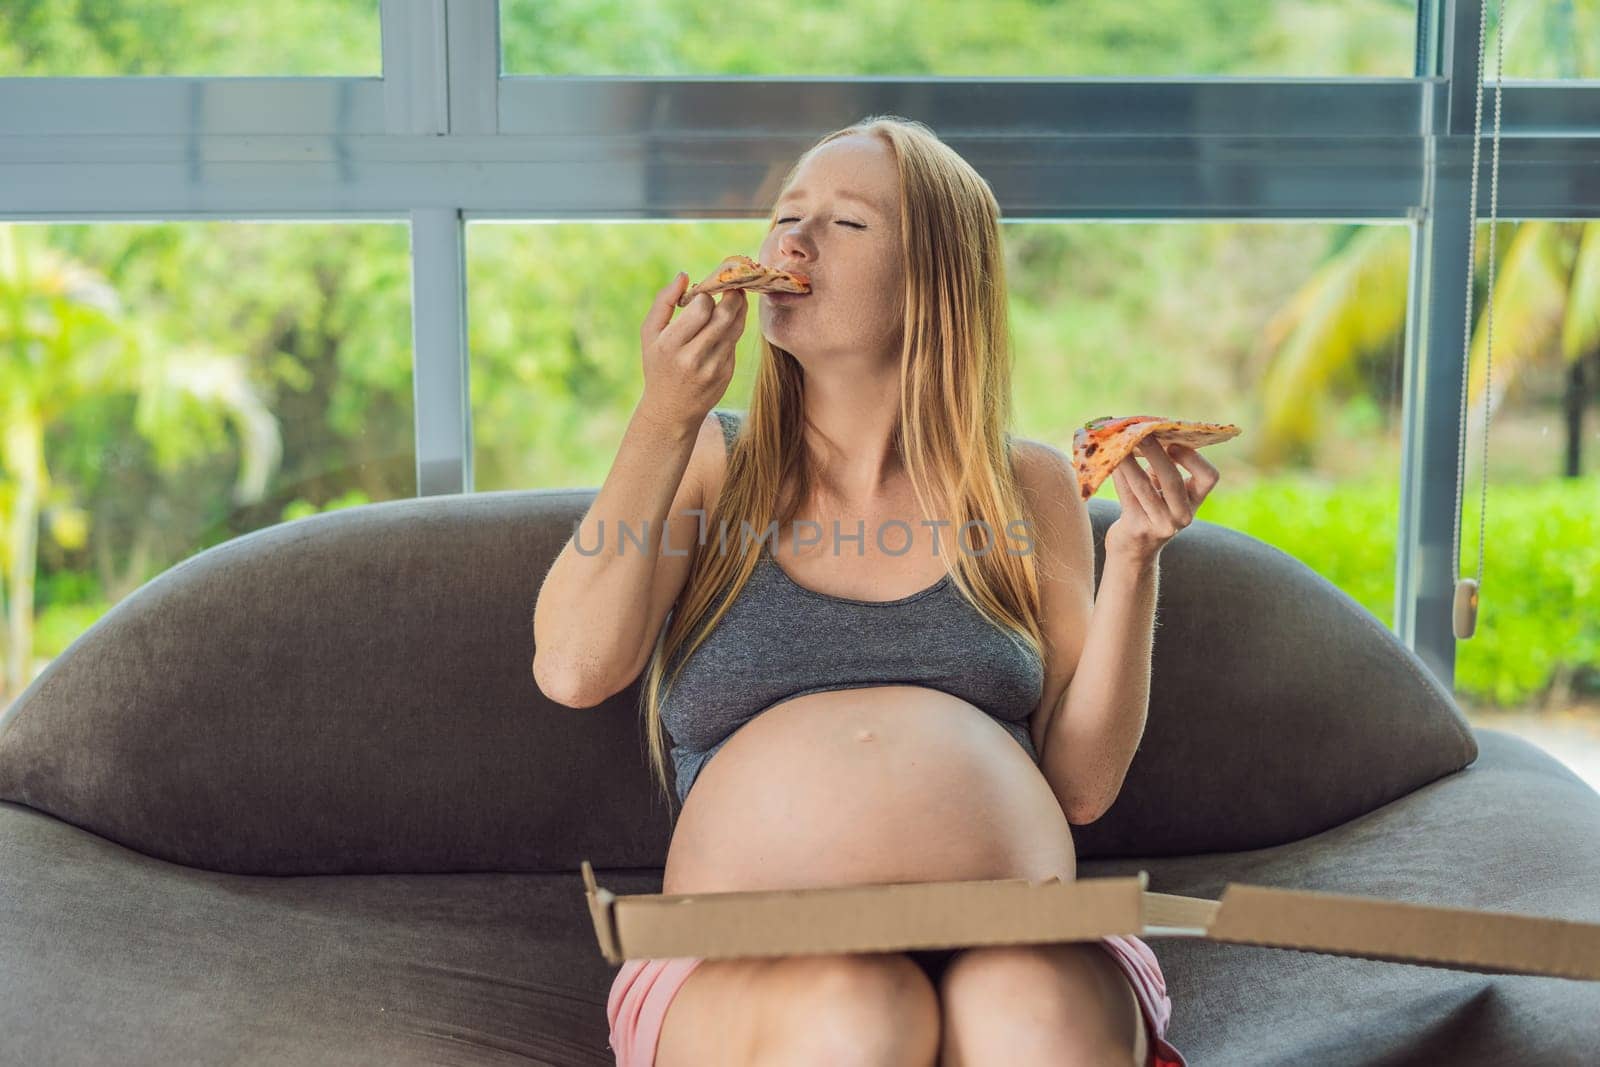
955, 407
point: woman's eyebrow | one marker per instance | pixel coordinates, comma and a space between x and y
844, 194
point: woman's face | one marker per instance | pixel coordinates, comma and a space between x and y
849, 248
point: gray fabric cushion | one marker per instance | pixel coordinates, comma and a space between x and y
111, 957
1516, 831
353, 693
115, 957
347, 693
1279, 706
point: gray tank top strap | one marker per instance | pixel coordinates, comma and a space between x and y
730, 427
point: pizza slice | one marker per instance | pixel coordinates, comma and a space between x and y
742, 272
1100, 444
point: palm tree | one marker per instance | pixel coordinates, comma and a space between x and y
1547, 279
1546, 309
68, 341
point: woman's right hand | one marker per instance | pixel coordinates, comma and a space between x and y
688, 362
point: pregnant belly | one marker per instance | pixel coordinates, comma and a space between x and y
866, 787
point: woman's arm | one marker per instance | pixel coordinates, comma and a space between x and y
1091, 740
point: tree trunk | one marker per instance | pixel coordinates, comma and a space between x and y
1574, 406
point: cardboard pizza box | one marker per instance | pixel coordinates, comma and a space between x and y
918, 915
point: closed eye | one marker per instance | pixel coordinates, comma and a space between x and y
857, 225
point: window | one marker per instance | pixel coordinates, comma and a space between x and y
958, 38
187, 383
109, 38
1107, 320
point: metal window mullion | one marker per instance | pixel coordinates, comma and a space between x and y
415, 83
474, 65
440, 382
441, 65
613, 148
1431, 426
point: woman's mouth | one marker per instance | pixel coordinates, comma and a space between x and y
785, 298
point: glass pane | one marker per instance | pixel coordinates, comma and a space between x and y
105, 38
1545, 40
1533, 665
1295, 332
182, 384
958, 38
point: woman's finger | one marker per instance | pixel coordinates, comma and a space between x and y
725, 326
1205, 477
1176, 494
731, 312
690, 321
1135, 491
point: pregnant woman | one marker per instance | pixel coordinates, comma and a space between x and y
860, 631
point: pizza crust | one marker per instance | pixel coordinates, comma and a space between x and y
742, 272
1100, 444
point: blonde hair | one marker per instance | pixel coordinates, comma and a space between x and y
955, 406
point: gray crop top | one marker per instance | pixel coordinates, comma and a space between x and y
780, 639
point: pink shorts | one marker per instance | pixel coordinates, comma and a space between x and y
643, 989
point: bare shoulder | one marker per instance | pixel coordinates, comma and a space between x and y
1049, 485
704, 468
1042, 469
710, 459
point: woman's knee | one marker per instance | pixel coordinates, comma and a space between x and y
875, 1009
1058, 1003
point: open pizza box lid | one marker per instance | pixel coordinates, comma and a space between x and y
931, 915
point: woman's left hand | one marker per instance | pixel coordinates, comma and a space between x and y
1158, 503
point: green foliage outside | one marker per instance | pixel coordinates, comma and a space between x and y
1539, 600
